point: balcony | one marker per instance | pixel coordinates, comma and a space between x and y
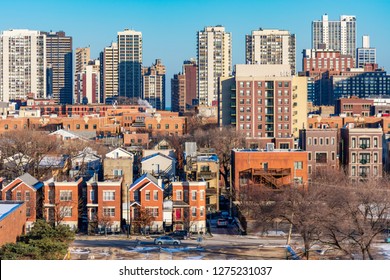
207, 175
364, 146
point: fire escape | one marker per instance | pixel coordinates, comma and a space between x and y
273, 178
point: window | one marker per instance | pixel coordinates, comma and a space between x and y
284, 146
309, 141
309, 154
353, 142
364, 158
19, 195
117, 172
65, 195
27, 196
150, 126
315, 141
167, 126
309, 169
155, 195
185, 195
66, 211
375, 157
353, 158
321, 141
298, 165
179, 195
321, 157
375, 142
364, 143
353, 173
6, 126
92, 195
147, 195
193, 195
153, 211
86, 126
108, 195
332, 141
77, 126
201, 196
327, 141
201, 211
28, 211
94, 126
108, 211
193, 211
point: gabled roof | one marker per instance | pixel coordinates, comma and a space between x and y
155, 155
27, 179
119, 150
147, 176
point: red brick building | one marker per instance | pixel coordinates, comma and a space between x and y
274, 169
189, 206
62, 202
12, 221
28, 189
353, 106
104, 205
146, 194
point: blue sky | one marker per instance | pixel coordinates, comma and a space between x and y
169, 27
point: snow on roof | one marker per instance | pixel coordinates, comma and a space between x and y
7, 207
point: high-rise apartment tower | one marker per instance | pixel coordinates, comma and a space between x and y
214, 60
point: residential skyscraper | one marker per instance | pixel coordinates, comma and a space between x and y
214, 55
153, 85
271, 46
22, 64
87, 87
335, 35
109, 73
365, 54
59, 67
130, 61
184, 88
82, 57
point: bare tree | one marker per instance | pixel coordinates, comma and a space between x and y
143, 218
303, 209
357, 214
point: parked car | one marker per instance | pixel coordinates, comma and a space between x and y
166, 240
179, 234
222, 223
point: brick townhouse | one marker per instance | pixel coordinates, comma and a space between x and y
189, 206
28, 189
104, 205
146, 193
62, 202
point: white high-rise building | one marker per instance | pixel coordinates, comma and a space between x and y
214, 60
365, 54
22, 64
335, 35
109, 72
271, 46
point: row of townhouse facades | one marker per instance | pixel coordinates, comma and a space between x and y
113, 122
92, 206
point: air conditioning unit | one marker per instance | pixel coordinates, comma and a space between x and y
270, 146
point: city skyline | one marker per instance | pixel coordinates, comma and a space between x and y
169, 28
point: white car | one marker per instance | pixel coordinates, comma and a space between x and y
166, 240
